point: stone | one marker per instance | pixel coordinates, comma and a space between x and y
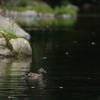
9, 24
27, 18
21, 45
74, 7
2, 41
4, 51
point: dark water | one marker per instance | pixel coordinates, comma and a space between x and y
71, 58
72, 62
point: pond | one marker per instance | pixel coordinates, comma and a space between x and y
71, 58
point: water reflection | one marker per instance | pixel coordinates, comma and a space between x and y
11, 74
14, 67
42, 45
15, 85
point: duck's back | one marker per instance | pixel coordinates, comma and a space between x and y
35, 76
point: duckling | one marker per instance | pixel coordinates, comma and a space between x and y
36, 76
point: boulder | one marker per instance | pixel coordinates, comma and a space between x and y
74, 7
10, 24
4, 51
21, 45
11, 46
28, 17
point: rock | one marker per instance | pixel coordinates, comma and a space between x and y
5, 51
3, 48
2, 42
28, 17
45, 16
25, 16
64, 16
13, 47
70, 6
21, 45
10, 24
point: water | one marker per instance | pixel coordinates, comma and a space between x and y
70, 57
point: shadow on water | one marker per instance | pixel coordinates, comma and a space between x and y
70, 57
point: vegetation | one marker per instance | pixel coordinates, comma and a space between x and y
65, 2
24, 5
9, 33
15, 52
64, 22
40, 6
63, 10
76, 2
38, 9
54, 24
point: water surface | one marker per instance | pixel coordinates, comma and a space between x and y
71, 58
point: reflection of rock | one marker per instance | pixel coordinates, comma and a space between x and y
11, 71
11, 83
14, 66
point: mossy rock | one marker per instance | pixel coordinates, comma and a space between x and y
14, 46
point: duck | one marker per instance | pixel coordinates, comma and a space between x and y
36, 76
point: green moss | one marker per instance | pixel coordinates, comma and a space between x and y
64, 22
15, 52
23, 3
40, 6
64, 10
8, 33
37, 8
57, 10
7, 38
44, 9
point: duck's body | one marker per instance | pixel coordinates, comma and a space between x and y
36, 76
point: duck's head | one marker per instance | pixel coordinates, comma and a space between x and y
41, 70
27, 73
